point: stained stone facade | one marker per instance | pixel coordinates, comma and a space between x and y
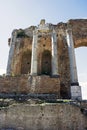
41, 75
48, 50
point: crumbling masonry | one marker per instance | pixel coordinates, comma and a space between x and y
47, 50
41, 78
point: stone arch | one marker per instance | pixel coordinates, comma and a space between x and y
26, 62
81, 43
46, 63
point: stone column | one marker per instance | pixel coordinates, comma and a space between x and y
54, 55
34, 54
75, 88
11, 52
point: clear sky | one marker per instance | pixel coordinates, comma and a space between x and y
15, 14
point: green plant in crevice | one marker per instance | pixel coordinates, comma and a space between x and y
21, 34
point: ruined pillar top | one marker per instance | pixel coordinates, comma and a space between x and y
69, 30
42, 22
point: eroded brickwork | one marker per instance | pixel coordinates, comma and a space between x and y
35, 91
30, 84
21, 62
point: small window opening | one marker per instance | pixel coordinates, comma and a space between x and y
44, 45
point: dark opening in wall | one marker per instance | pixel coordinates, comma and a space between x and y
64, 93
44, 45
26, 62
46, 63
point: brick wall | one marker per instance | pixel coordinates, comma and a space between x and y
30, 84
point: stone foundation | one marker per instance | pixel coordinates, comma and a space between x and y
30, 84
56, 116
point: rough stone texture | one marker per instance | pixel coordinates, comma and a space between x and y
21, 63
79, 28
42, 117
23, 46
45, 116
30, 84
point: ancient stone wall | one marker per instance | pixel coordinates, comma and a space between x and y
30, 84
55, 116
44, 51
23, 47
79, 29
21, 62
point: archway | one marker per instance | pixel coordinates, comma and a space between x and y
81, 61
46, 63
26, 62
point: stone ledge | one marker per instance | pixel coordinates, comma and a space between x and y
30, 84
42, 116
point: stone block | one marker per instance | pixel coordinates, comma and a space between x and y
30, 84
76, 92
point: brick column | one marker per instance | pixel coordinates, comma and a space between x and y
75, 88
34, 54
54, 54
11, 52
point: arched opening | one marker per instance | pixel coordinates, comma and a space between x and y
81, 61
46, 63
26, 62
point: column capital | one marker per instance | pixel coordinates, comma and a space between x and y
69, 30
35, 32
14, 32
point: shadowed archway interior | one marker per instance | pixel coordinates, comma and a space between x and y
26, 62
46, 63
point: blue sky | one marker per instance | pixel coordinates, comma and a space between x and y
24, 13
